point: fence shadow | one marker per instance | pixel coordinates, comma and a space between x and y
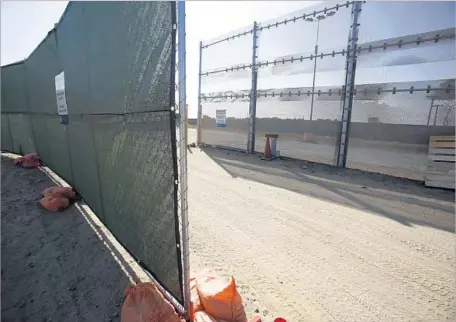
56, 266
405, 201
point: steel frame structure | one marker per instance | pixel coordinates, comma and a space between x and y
347, 93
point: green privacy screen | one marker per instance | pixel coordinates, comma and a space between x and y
118, 149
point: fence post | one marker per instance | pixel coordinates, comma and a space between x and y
347, 98
183, 153
200, 108
253, 92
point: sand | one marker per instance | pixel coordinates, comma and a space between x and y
305, 242
63, 266
313, 243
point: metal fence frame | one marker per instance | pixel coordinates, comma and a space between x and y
182, 146
347, 93
346, 101
347, 97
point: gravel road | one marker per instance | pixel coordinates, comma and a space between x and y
313, 243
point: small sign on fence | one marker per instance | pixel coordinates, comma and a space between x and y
220, 118
62, 108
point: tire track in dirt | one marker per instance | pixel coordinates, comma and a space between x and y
311, 260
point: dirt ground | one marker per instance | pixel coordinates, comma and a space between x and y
314, 243
396, 159
57, 266
306, 242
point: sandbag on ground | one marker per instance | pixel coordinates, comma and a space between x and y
145, 303
204, 317
52, 203
219, 297
59, 192
31, 160
195, 302
58, 198
215, 299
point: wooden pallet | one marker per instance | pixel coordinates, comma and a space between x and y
441, 162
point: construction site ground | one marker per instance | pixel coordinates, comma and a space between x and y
304, 241
311, 242
57, 266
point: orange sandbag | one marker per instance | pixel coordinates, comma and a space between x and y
145, 303
220, 298
59, 192
195, 302
54, 203
204, 317
31, 160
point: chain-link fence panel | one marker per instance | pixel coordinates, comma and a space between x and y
302, 59
72, 33
404, 86
129, 52
129, 48
139, 204
225, 86
7, 139
18, 135
59, 149
72, 44
42, 137
84, 163
41, 67
21, 132
14, 95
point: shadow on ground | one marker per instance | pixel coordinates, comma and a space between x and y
405, 201
54, 266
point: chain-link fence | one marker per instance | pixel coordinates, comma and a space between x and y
224, 72
96, 100
340, 73
404, 85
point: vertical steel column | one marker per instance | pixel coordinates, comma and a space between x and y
436, 113
430, 112
183, 152
347, 94
200, 108
253, 92
314, 71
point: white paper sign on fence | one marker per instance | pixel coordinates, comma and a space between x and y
62, 108
220, 118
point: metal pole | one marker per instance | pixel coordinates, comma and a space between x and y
445, 120
436, 113
347, 94
183, 154
200, 108
253, 92
430, 112
314, 71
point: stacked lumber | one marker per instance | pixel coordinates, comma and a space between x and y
441, 162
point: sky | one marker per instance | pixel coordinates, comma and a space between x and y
25, 23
